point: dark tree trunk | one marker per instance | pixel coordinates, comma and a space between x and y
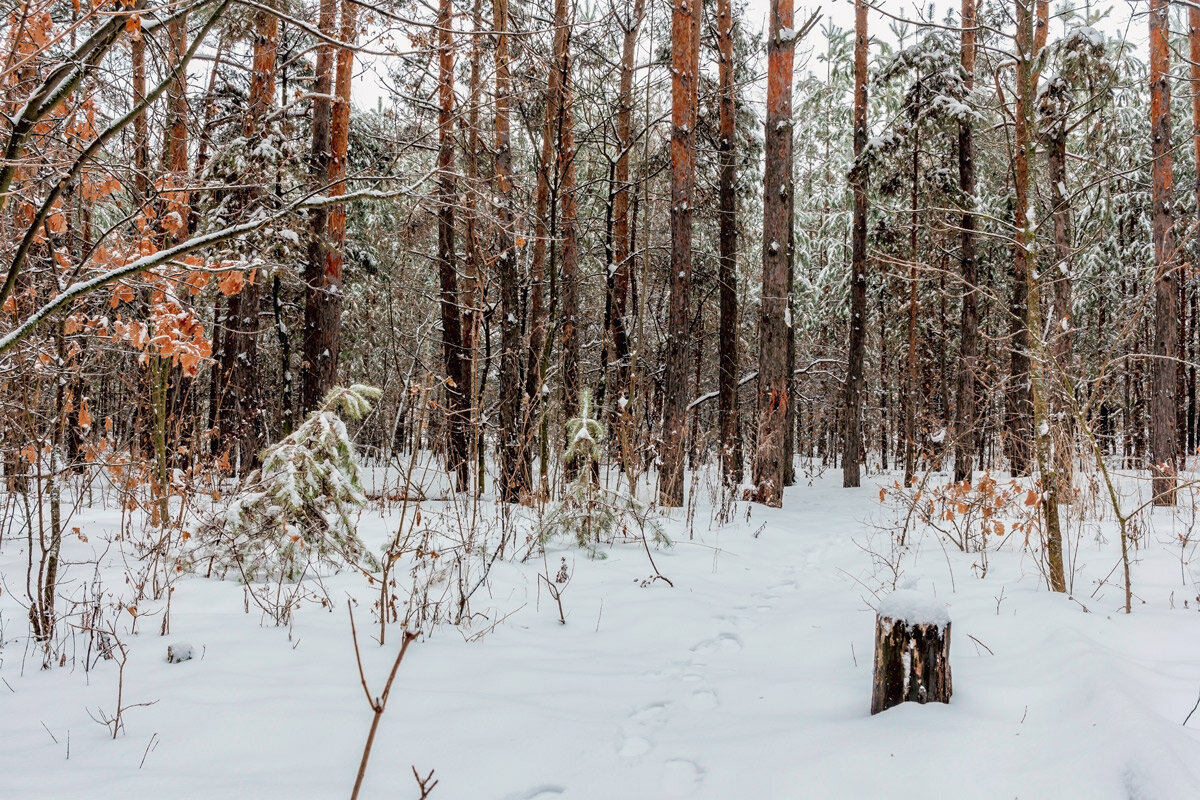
318, 368
570, 253
515, 473
237, 372
453, 355
727, 410
965, 411
857, 349
912, 661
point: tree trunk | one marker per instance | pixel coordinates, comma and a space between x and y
570, 252
685, 67
727, 409
237, 371
1028, 48
912, 653
453, 356
318, 368
1163, 441
857, 349
1187, 300
539, 309
910, 373
515, 475
965, 411
1062, 370
622, 235
777, 190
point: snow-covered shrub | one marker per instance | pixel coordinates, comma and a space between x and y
298, 509
589, 514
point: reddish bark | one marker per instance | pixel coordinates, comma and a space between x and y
1164, 450
773, 324
685, 65
318, 368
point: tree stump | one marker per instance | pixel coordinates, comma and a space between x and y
912, 651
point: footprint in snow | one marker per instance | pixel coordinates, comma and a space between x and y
633, 746
544, 792
703, 700
724, 643
681, 778
647, 713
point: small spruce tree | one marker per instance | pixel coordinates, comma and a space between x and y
587, 512
299, 507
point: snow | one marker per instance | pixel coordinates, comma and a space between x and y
914, 608
750, 677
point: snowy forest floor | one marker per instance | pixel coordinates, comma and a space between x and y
750, 677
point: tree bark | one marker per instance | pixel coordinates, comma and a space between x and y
515, 474
965, 412
685, 66
318, 368
570, 252
727, 410
454, 357
539, 309
856, 351
912, 662
773, 323
1029, 44
237, 371
622, 256
1164, 445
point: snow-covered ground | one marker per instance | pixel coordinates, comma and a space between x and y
750, 677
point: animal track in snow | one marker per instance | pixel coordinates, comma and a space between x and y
681, 778
647, 713
723, 643
633, 746
543, 792
703, 700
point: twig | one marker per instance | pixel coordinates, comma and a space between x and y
378, 704
981, 644
423, 783
1193, 711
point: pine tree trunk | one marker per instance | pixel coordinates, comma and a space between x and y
454, 357
318, 367
965, 410
539, 307
777, 190
473, 290
857, 349
1061, 375
1163, 441
515, 475
685, 66
237, 370
570, 254
622, 238
727, 408
1187, 300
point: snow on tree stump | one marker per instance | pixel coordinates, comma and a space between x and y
912, 651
